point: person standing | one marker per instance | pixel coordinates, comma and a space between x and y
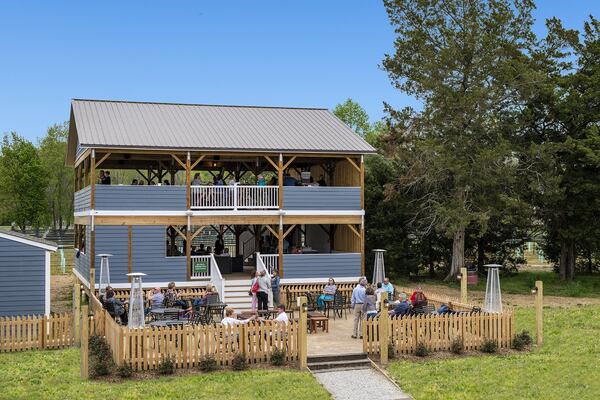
101, 177
253, 290
275, 287
106, 178
369, 307
358, 299
219, 245
388, 287
264, 284
260, 180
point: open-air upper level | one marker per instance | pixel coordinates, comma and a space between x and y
174, 160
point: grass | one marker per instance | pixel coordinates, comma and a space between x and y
54, 374
566, 367
521, 283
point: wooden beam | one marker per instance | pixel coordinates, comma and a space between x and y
178, 161
353, 229
198, 231
273, 231
362, 183
179, 232
288, 231
280, 181
355, 165
197, 162
321, 219
188, 248
271, 162
93, 180
287, 164
129, 251
104, 157
188, 181
362, 250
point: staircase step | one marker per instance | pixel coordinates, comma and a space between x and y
337, 357
343, 364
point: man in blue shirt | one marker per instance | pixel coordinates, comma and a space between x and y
388, 287
358, 298
402, 307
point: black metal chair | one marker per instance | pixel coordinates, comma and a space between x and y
339, 305
311, 301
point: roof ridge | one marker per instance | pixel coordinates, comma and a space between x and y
198, 104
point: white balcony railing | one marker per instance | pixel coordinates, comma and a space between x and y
234, 197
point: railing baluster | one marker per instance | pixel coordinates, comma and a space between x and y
234, 197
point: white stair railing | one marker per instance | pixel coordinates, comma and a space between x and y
260, 266
271, 262
234, 197
216, 278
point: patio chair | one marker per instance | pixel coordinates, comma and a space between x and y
199, 318
311, 301
339, 305
216, 310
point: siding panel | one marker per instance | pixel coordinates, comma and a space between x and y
112, 240
148, 198
22, 279
149, 255
82, 263
321, 198
336, 265
82, 199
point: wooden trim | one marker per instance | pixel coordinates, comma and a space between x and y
184, 236
92, 164
104, 157
129, 251
82, 157
287, 164
188, 181
362, 250
166, 151
178, 161
273, 231
272, 163
353, 229
321, 219
288, 231
91, 246
188, 250
351, 161
280, 251
198, 231
197, 162
362, 183
280, 181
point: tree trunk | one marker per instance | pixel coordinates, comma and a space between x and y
566, 267
458, 254
430, 258
480, 255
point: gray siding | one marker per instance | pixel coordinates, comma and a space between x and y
82, 199
82, 263
148, 198
22, 278
112, 240
336, 265
149, 255
321, 198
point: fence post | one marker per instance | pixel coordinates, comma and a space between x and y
84, 352
463, 285
76, 305
302, 335
383, 330
539, 312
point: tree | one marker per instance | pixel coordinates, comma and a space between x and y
23, 182
59, 193
463, 60
354, 116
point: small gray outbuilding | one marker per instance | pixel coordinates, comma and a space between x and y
24, 274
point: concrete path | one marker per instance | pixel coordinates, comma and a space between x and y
359, 384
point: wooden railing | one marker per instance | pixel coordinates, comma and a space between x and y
437, 332
36, 332
292, 291
234, 197
184, 292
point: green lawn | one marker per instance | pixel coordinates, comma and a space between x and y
521, 283
55, 375
566, 367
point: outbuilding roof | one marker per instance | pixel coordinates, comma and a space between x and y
196, 127
28, 239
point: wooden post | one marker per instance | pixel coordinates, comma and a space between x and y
383, 329
302, 334
539, 312
280, 251
188, 180
463, 285
76, 311
362, 248
93, 180
129, 251
92, 252
188, 251
85, 335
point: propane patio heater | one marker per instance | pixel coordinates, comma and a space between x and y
136, 301
379, 267
104, 273
493, 297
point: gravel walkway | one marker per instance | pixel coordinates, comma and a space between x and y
359, 384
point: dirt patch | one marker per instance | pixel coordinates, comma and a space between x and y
521, 300
61, 293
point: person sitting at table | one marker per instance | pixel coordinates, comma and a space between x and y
117, 306
289, 180
402, 307
103, 296
210, 291
260, 180
369, 307
230, 318
156, 299
172, 297
196, 181
380, 289
281, 314
275, 288
327, 294
418, 298
388, 286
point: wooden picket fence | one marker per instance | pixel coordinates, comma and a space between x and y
437, 332
36, 332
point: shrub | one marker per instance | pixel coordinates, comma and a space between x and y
278, 357
391, 351
101, 361
457, 346
166, 366
125, 371
489, 346
422, 350
239, 362
521, 341
208, 364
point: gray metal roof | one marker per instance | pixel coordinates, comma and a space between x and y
34, 239
102, 123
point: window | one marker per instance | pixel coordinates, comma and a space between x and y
175, 243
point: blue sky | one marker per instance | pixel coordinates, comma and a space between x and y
284, 53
